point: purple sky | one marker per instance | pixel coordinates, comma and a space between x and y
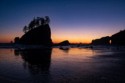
73, 20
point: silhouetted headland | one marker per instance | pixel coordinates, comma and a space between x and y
115, 39
118, 38
38, 32
101, 41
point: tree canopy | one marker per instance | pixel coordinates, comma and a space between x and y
36, 22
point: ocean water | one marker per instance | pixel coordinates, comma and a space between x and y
72, 65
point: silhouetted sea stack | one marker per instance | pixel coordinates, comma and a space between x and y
64, 43
37, 36
118, 38
37, 33
115, 39
101, 41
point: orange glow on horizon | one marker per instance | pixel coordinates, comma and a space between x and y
82, 35
73, 36
7, 37
71, 39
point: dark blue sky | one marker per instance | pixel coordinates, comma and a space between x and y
75, 20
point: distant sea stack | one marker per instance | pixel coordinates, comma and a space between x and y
64, 43
101, 41
38, 32
115, 39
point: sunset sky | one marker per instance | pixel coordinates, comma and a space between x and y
73, 20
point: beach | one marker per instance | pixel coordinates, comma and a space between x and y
73, 65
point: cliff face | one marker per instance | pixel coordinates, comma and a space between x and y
38, 36
118, 38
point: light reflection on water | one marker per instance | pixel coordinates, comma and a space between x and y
58, 65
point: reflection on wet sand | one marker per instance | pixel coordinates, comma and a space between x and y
37, 60
66, 50
74, 65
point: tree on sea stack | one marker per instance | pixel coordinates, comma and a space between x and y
37, 32
25, 29
47, 19
36, 22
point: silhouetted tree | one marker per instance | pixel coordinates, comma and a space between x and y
31, 24
42, 21
47, 20
25, 29
36, 22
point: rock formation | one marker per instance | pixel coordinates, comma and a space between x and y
64, 43
37, 36
101, 41
118, 38
36, 33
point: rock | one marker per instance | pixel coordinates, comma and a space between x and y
64, 43
118, 38
40, 35
115, 39
101, 41
16, 40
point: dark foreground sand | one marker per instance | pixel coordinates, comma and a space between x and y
103, 67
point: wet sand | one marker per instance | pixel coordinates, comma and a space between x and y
75, 65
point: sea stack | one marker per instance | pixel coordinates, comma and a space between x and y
38, 36
118, 38
37, 32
